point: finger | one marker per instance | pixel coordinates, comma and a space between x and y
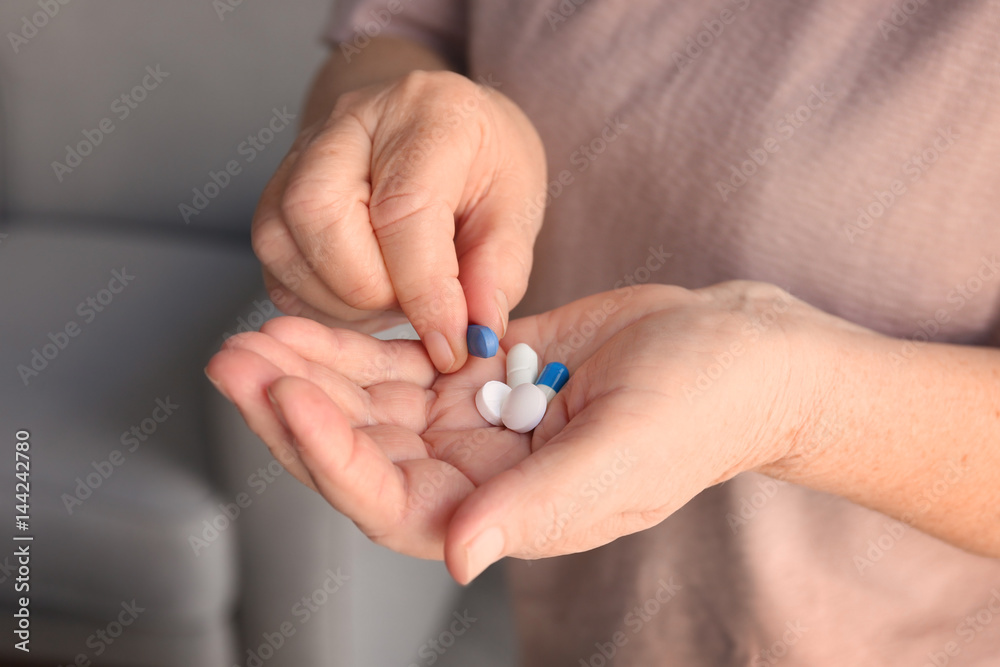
351, 398
242, 377
279, 252
350, 470
337, 314
496, 238
566, 497
415, 227
404, 506
400, 404
398, 443
325, 206
494, 245
358, 357
423, 177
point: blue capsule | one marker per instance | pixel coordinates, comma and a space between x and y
482, 341
552, 379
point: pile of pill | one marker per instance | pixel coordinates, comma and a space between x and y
520, 403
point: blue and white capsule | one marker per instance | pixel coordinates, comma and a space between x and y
552, 379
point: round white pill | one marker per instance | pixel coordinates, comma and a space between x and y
524, 408
490, 400
522, 365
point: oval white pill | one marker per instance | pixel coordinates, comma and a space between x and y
490, 400
524, 408
522, 365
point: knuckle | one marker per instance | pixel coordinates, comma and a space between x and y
414, 81
434, 300
392, 209
348, 101
418, 82
442, 100
308, 199
369, 291
268, 240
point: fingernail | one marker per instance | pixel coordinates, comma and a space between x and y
277, 408
484, 550
215, 383
441, 354
504, 307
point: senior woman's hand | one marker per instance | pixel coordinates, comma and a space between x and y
418, 196
671, 391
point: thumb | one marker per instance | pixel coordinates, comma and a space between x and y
569, 496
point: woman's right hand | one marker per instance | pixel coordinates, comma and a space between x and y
420, 197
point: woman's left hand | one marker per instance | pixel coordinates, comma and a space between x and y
671, 391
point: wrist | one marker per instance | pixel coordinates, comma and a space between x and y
382, 60
835, 364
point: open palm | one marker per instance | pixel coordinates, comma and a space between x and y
403, 451
419, 445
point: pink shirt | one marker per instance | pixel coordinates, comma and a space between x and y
848, 152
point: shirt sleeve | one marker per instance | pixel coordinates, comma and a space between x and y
438, 24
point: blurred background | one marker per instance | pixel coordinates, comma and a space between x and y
135, 139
